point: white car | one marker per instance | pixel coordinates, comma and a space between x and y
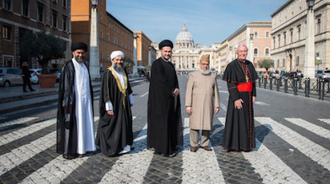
34, 75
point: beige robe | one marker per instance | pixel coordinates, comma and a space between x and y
202, 95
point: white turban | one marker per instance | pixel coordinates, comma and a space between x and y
117, 53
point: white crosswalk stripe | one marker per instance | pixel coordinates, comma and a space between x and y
325, 121
223, 107
193, 171
7, 138
17, 121
271, 168
311, 127
314, 151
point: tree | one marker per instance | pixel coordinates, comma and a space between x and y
128, 63
266, 63
42, 47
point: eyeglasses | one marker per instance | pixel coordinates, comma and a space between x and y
205, 64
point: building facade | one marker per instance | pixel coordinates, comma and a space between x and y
289, 23
50, 16
143, 45
112, 34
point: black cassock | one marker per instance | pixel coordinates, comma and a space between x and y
239, 128
164, 110
114, 132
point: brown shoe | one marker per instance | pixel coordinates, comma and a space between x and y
193, 148
207, 148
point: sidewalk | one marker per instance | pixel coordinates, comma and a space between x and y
13, 98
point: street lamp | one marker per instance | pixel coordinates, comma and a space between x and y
251, 48
310, 41
94, 47
135, 72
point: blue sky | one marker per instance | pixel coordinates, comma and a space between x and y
209, 21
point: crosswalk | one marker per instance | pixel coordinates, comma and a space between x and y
199, 167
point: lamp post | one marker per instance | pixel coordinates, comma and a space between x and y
230, 55
318, 62
310, 41
94, 48
251, 48
149, 56
135, 72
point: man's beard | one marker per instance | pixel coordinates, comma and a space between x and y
79, 60
117, 67
205, 72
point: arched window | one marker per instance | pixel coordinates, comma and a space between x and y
267, 52
255, 52
255, 34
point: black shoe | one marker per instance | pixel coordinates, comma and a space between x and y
68, 157
25, 91
32, 90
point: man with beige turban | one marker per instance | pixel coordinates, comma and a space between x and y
202, 102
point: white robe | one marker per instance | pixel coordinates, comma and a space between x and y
84, 111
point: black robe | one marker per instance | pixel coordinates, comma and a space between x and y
239, 128
67, 129
114, 132
164, 110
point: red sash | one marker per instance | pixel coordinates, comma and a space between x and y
244, 87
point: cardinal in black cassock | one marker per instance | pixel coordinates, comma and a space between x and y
240, 75
115, 134
164, 108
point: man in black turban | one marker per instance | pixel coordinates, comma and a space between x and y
164, 108
75, 118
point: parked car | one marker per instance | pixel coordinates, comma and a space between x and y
10, 76
34, 75
300, 75
293, 74
325, 74
57, 72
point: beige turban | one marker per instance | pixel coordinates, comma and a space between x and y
205, 58
117, 53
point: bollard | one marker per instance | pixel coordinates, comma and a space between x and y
300, 81
271, 83
278, 84
323, 89
281, 81
307, 86
295, 86
259, 82
265, 82
319, 88
285, 85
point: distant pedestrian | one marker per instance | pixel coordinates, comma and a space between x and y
164, 107
202, 102
240, 75
75, 118
115, 133
26, 77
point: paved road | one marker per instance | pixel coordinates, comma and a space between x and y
292, 135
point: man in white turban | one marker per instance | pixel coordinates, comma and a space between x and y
115, 134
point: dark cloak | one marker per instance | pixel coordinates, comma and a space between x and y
164, 110
239, 128
67, 128
114, 132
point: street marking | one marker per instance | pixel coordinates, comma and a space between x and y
13, 136
137, 81
131, 167
310, 127
325, 121
304, 145
223, 107
19, 155
193, 170
268, 165
220, 91
144, 94
261, 103
17, 121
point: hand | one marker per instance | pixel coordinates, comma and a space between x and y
189, 111
216, 110
238, 103
177, 92
253, 99
110, 112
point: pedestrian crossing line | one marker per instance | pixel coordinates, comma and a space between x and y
223, 107
309, 126
271, 168
131, 167
314, 151
10, 137
23, 153
144, 94
325, 121
193, 170
17, 121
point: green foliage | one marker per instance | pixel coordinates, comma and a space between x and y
318, 62
128, 62
266, 63
41, 47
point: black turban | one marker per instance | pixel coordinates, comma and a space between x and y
165, 43
79, 45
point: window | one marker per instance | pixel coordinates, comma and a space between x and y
6, 33
278, 63
101, 16
318, 26
108, 56
101, 2
64, 23
267, 52
25, 8
101, 33
297, 61
101, 55
284, 38
8, 61
283, 63
54, 18
40, 12
267, 34
108, 36
108, 23
274, 39
279, 40
256, 34
55, 1
291, 35
299, 32
64, 3
7, 4
255, 52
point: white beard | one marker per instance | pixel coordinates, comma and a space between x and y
205, 72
